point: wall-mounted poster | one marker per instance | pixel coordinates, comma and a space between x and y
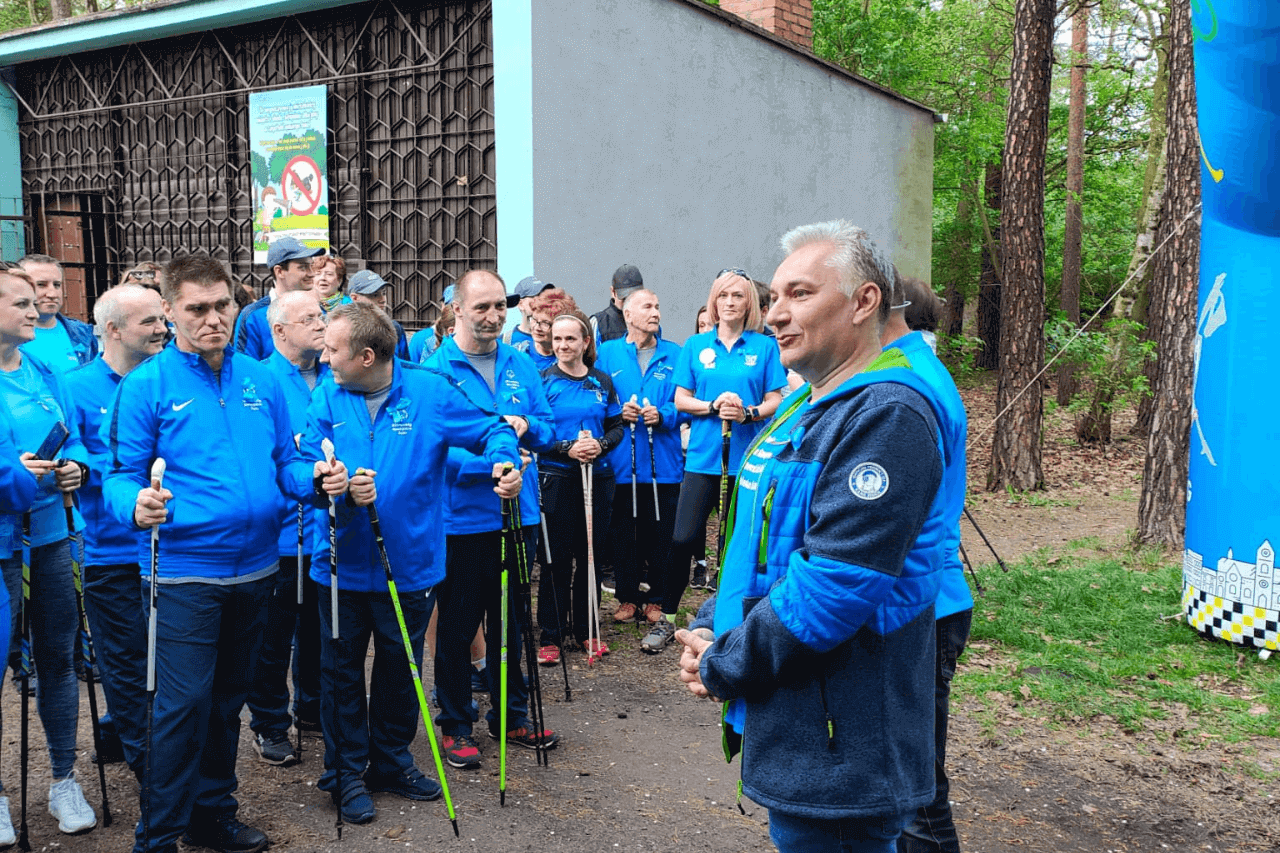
288, 157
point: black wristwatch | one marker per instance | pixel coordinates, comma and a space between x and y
712, 408
753, 413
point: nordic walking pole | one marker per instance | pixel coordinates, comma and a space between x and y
542, 516
546, 543
298, 620
524, 591
376, 527
157, 481
726, 437
633, 464
990, 548
502, 656
593, 624
653, 467
24, 842
326, 446
86, 647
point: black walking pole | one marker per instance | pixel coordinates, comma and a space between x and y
990, 548
157, 481
413, 664
327, 447
546, 541
86, 647
298, 623
24, 673
525, 593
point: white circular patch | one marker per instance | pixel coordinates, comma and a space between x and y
868, 481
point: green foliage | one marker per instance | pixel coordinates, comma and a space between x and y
1081, 635
958, 353
1111, 363
259, 169
310, 143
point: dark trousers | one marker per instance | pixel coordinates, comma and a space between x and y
207, 641
119, 625
269, 699
471, 592
699, 497
642, 545
562, 590
932, 829
369, 729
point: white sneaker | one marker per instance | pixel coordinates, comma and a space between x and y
67, 804
6, 824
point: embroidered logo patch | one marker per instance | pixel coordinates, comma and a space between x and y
400, 423
750, 359
251, 398
868, 481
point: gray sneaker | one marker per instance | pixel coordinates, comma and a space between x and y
275, 749
662, 632
67, 804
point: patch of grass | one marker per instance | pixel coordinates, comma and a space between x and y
1072, 636
1017, 498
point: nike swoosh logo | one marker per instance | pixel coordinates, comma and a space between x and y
338, 424
178, 407
460, 381
616, 372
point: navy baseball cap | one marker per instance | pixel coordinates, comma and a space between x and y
286, 248
366, 283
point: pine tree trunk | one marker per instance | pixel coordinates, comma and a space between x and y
988, 358
1015, 450
1069, 294
1174, 298
60, 9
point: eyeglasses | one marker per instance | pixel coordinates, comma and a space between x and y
735, 271
309, 320
539, 324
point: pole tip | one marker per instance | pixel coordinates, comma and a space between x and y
456, 834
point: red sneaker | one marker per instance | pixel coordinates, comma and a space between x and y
549, 655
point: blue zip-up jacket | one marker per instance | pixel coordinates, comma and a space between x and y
473, 507
17, 491
953, 422
231, 459
82, 338
297, 397
824, 617
27, 427
618, 359
424, 417
253, 335
106, 541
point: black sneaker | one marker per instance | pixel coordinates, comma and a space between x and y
699, 576
275, 749
412, 785
461, 751
528, 738
607, 582
354, 803
227, 835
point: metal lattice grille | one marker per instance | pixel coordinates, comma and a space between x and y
159, 131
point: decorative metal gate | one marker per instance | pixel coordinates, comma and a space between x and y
159, 131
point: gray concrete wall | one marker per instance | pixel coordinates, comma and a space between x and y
666, 137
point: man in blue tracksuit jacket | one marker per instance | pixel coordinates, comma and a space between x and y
290, 264
62, 342
133, 329
821, 635
219, 420
642, 366
391, 422
495, 377
933, 830
297, 329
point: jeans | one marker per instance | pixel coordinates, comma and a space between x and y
562, 589
932, 830
372, 733
470, 592
269, 698
207, 641
792, 834
119, 625
644, 540
55, 621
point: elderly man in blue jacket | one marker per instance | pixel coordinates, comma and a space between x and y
218, 418
821, 634
393, 423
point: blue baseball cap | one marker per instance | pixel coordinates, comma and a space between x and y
366, 283
530, 287
285, 249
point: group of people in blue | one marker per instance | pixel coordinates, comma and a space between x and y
311, 454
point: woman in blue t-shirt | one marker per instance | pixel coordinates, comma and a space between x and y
729, 376
588, 425
34, 402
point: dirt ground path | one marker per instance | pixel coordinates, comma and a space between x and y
640, 767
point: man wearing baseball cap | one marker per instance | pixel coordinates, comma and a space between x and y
521, 336
368, 286
290, 264
609, 323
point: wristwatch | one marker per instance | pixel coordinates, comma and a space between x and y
753, 413
712, 408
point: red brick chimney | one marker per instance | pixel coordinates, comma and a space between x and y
789, 19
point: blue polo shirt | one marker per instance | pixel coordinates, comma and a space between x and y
577, 404
707, 369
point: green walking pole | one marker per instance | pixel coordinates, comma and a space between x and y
376, 527
502, 658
